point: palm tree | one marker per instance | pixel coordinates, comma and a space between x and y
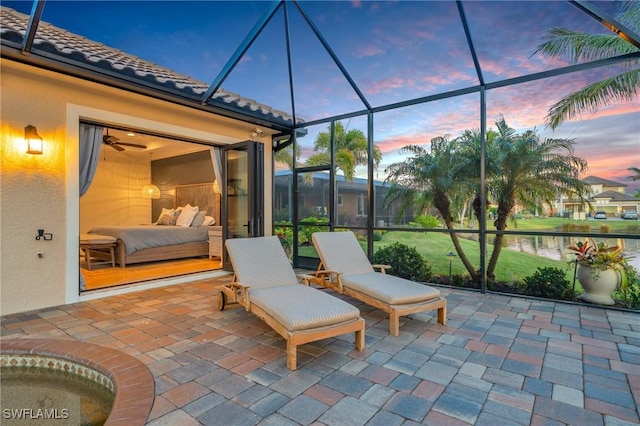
579, 47
429, 179
351, 150
635, 170
524, 168
286, 155
518, 167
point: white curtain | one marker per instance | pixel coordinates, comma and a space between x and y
216, 159
90, 146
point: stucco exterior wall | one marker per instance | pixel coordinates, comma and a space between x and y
41, 191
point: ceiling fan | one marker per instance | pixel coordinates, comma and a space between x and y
114, 143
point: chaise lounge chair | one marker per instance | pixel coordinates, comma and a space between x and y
346, 269
266, 285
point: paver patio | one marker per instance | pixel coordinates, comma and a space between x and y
500, 360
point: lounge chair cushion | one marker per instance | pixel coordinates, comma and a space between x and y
390, 289
260, 263
298, 307
342, 252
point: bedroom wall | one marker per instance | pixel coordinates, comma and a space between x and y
41, 191
114, 197
182, 170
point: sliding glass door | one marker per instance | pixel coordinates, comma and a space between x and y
243, 207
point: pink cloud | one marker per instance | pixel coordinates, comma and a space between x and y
356, 3
394, 144
426, 35
369, 50
386, 85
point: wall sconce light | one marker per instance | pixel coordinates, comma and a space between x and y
34, 141
151, 192
257, 133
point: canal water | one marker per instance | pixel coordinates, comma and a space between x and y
555, 247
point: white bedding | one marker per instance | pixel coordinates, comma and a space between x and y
146, 236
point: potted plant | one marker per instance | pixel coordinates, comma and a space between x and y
600, 269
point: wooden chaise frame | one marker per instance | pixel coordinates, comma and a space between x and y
262, 262
331, 279
346, 254
236, 292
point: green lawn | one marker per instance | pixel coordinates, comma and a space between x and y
434, 247
512, 265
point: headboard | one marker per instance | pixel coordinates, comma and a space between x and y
201, 195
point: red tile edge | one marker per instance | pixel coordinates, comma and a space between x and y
133, 398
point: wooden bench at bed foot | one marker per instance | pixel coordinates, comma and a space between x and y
98, 249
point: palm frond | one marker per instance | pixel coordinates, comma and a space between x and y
622, 87
577, 47
629, 15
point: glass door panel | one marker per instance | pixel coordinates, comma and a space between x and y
243, 207
237, 194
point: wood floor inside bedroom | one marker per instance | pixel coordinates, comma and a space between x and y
104, 276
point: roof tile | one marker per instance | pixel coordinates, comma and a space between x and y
58, 41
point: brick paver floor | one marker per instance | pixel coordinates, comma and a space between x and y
499, 360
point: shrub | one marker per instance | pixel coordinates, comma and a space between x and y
629, 296
285, 235
378, 235
574, 227
405, 262
549, 283
633, 229
605, 229
427, 221
458, 280
308, 227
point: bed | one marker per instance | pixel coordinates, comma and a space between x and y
150, 243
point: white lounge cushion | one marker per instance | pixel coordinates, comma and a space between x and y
390, 289
298, 307
340, 251
96, 239
260, 262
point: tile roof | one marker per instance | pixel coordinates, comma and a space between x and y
59, 42
616, 196
595, 180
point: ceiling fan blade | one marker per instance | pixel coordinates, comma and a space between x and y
116, 147
132, 144
109, 139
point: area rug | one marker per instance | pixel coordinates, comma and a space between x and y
104, 276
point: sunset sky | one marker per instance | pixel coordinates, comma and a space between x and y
394, 51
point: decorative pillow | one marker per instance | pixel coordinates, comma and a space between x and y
208, 221
198, 218
186, 215
169, 212
166, 220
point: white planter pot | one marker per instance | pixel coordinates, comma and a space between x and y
598, 285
